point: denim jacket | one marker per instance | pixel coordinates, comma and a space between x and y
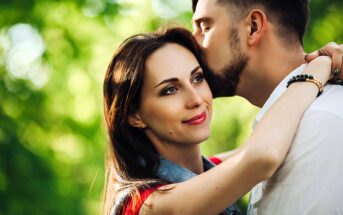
173, 173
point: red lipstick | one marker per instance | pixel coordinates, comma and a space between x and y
197, 120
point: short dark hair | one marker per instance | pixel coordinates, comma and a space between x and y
291, 15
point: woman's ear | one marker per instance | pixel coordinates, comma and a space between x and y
136, 121
257, 24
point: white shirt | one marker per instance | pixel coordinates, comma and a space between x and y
310, 180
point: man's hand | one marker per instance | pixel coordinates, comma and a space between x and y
333, 50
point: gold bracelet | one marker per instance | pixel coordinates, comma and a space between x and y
307, 78
319, 85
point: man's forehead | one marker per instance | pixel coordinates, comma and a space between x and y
205, 9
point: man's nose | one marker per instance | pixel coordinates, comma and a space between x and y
198, 37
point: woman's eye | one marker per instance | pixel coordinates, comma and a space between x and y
198, 78
169, 91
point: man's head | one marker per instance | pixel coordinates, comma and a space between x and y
231, 31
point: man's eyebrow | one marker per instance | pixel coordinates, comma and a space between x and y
176, 79
201, 19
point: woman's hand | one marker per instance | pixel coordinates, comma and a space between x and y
332, 50
320, 68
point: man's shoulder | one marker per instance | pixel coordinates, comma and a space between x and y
330, 102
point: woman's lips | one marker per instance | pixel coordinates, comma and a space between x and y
197, 120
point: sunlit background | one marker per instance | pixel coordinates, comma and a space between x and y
53, 56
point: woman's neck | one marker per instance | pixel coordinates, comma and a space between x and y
187, 156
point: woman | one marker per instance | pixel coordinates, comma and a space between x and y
158, 110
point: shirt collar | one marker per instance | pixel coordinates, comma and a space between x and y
277, 92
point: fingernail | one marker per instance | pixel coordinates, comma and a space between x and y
305, 57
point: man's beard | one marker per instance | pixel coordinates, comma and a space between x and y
225, 81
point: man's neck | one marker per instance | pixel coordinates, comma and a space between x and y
265, 72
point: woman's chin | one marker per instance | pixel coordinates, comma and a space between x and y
201, 138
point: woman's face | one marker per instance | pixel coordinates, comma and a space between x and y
176, 101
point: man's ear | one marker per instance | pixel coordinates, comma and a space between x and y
257, 24
136, 121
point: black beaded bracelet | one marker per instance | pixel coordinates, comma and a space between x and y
306, 78
337, 81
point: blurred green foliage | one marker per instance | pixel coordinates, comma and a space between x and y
53, 56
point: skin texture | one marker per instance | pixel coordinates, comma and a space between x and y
174, 93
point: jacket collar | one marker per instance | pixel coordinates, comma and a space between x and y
174, 173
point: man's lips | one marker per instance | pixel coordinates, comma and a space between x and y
197, 120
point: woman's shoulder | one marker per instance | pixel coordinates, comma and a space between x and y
134, 204
129, 201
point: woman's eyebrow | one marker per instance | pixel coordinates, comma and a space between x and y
195, 69
176, 79
167, 80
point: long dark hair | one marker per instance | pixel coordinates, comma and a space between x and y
132, 159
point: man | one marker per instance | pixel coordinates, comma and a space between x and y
253, 48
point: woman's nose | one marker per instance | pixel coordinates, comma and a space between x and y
193, 98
